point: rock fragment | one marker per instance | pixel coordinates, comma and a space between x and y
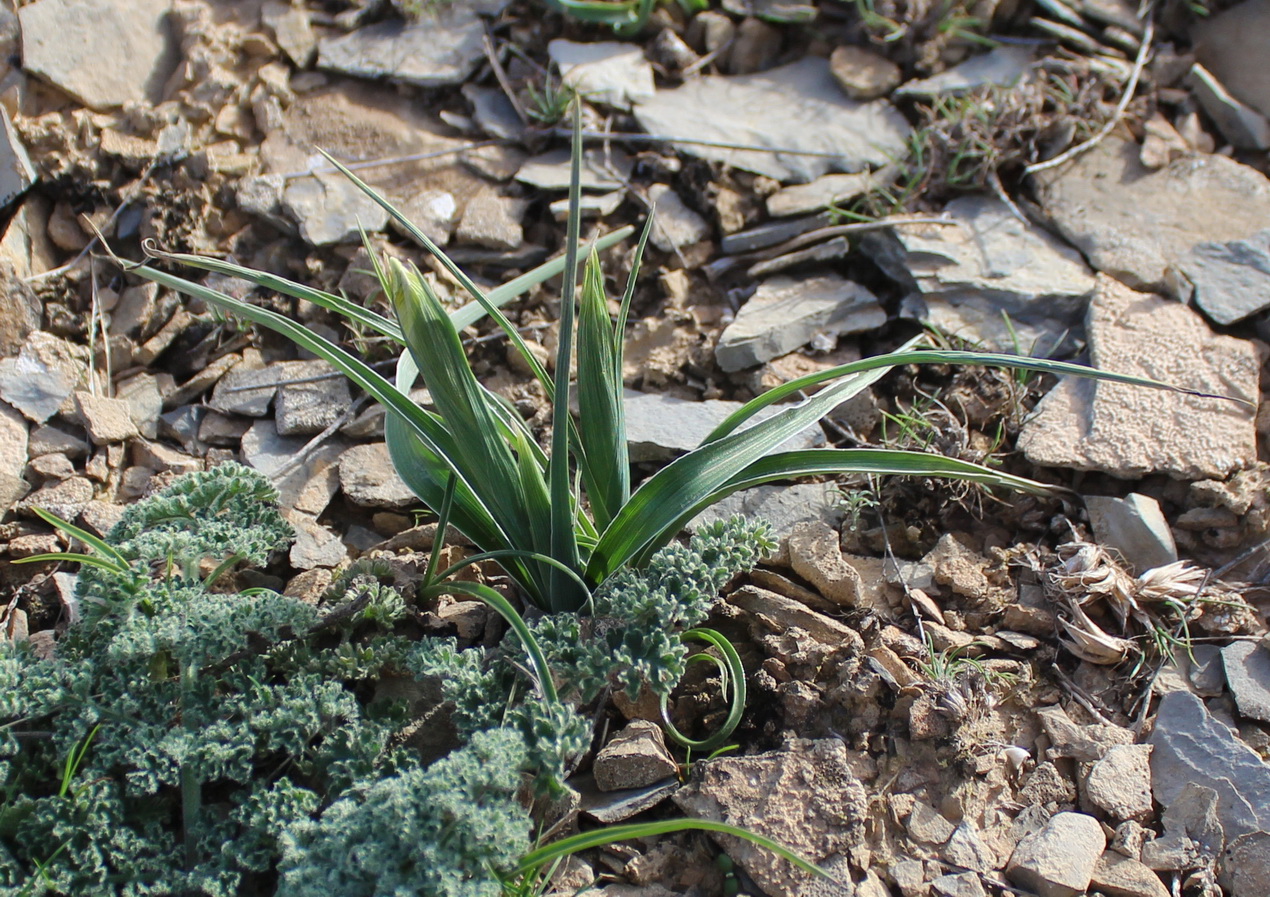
1138, 225
42, 377
1193, 749
674, 224
1001, 66
609, 72
292, 30
1241, 125
1120, 783
369, 479
1130, 431
441, 47
492, 220
1058, 860
634, 758
104, 53
1120, 876
987, 259
1247, 666
1134, 527
65, 498
310, 404
13, 457
107, 420
786, 313
863, 74
1231, 279
770, 109
659, 426
804, 795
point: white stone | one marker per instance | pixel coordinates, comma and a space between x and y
609, 72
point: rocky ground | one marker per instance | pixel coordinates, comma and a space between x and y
953, 693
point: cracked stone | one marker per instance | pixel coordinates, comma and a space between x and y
634, 758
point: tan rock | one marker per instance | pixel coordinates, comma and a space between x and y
107, 420
634, 758
1131, 431
863, 74
815, 555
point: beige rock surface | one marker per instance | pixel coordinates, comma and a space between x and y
1130, 431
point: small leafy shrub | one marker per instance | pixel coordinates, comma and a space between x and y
185, 741
181, 740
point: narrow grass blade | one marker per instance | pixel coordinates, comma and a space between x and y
349, 309
564, 544
601, 425
735, 677
829, 461
632, 831
99, 545
905, 356
89, 559
457, 273
514, 620
428, 429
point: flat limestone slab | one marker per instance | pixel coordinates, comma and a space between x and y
1131, 431
797, 106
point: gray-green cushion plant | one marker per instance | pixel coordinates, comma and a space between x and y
185, 741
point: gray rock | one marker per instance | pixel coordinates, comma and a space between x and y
1001, 66
262, 194
610, 807
674, 224
771, 110
550, 171
1247, 666
183, 422
609, 72
960, 884
1207, 673
772, 233
1246, 865
1241, 125
304, 408
16, 171
104, 53
1135, 527
1120, 783
1059, 860
979, 322
19, 313
589, 205
799, 199
782, 507
1130, 431
1136, 224
987, 256
159, 457
13, 456
805, 796
828, 250
492, 220
329, 208
369, 479
1231, 45
442, 47
634, 758
786, 313
1231, 279
1121, 876
265, 450
432, 211
863, 74
48, 438
42, 377
1191, 746
493, 112
292, 30
136, 306
659, 427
